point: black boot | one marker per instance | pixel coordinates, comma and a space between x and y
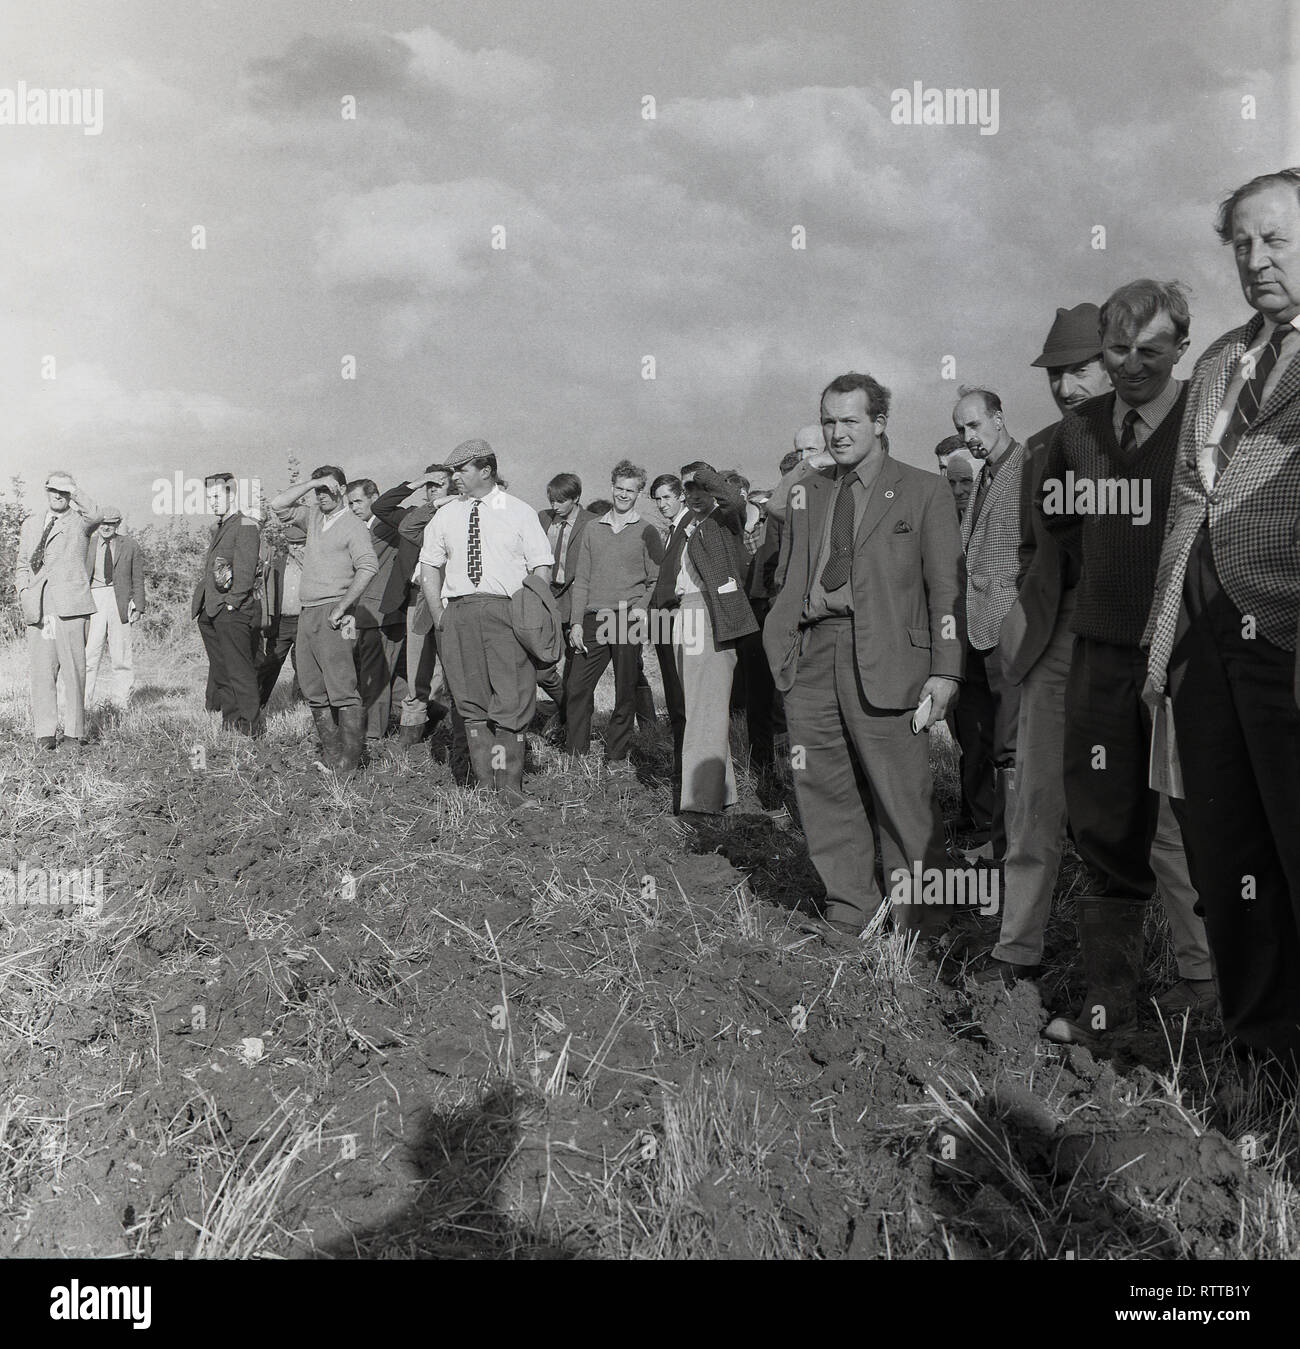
510, 748
478, 741
352, 731
1110, 938
327, 732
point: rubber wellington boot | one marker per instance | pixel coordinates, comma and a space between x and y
411, 733
352, 730
1004, 797
1110, 937
327, 732
478, 741
511, 747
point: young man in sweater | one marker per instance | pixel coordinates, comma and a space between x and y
1105, 494
338, 562
617, 566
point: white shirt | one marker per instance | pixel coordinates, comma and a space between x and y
1209, 452
688, 581
512, 543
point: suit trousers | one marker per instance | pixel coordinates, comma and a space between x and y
1036, 826
853, 761
327, 667
585, 670
377, 653
1112, 809
230, 642
58, 647
281, 644
1238, 735
987, 718
489, 674
675, 703
425, 676
708, 777
754, 692
107, 629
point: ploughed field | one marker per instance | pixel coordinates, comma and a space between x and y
390, 1018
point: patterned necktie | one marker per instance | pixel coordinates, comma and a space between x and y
666, 586
1128, 441
108, 563
836, 571
38, 557
1257, 369
558, 574
475, 548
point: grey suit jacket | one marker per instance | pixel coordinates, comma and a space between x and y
992, 545
62, 586
128, 572
907, 576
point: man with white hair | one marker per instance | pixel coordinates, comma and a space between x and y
54, 592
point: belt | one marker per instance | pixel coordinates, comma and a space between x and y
806, 623
457, 599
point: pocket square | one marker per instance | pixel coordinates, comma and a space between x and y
902, 527
728, 587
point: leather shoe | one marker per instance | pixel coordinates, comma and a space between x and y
1189, 995
46, 742
1006, 972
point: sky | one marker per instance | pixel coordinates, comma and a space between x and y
648, 169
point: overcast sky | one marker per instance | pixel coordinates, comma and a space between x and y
625, 237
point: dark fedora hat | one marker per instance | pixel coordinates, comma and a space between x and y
1075, 337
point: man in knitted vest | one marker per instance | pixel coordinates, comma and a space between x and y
1105, 494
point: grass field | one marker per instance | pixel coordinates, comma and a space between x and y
390, 1018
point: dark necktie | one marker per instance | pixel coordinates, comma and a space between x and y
665, 591
475, 548
1128, 440
108, 563
1252, 392
559, 552
38, 557
836, 571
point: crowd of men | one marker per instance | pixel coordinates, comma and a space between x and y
1104, 614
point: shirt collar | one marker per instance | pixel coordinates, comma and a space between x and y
1154, 412
609, 518
681, 515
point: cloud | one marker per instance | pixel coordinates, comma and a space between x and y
491, 75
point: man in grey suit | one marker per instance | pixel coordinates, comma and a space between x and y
990, 533
54, 591
862, 637
116, 569
1222, 626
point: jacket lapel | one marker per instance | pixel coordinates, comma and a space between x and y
881, 503
819, 494
1207, 408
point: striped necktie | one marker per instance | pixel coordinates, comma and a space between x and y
1256, 367
475, 553
108, 563
1128, 440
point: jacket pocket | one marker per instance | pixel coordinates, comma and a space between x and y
919, 637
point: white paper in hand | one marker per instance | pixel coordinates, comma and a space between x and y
922, 714
1165, 773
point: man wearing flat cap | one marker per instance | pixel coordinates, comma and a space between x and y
54, 592
477, 552
116, 569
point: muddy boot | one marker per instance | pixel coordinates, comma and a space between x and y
352, 732
510, 747
331, 742
478, 740
645, 706
410, 734
1110, 938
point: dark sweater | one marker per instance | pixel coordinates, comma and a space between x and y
1118, 555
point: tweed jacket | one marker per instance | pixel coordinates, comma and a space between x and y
128, 572
578, 523
1252, 507
408, 521
907, 578
715, 548
237, 539
62, 586
992, 545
